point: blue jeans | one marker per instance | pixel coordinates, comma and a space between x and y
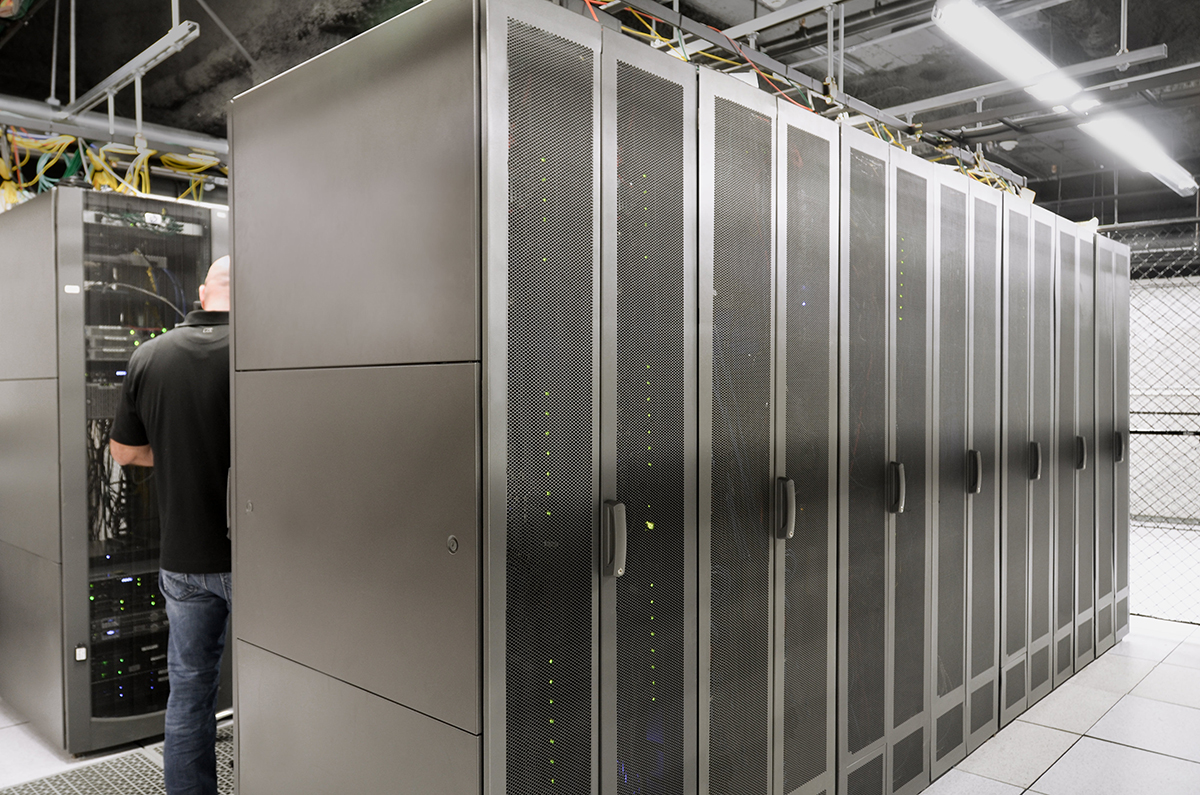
198, 608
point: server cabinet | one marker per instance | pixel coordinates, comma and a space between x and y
955, 467
985, 441
1121, 438
648, 715
1085, 442
1105, 444
806, 450
885, 333
1041, 452
1066, 450
1015, 462
83, 629
737, 410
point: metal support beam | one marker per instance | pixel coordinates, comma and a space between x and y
787, 14
228, 33
1144, 55
176, 39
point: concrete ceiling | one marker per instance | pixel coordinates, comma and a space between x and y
913, 61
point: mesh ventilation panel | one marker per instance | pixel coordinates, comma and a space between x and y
867, 780
741, 540
952, 446
912, 345
1063, 655
1041, 420
650, 432
805, 716
985, 437
866, 519
1104, 625
1065, 586
1016, 535
1105, 427
1014, 685
1121, 342
1039, 668
551, 399
983, 707
950, 731
1085, 488
908, 759
1083, 638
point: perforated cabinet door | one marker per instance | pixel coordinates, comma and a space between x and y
737, 396
1121, 491
1085, 483
1065, 457
648, 636
1105, 445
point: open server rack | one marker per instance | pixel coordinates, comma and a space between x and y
653, 438
87, 277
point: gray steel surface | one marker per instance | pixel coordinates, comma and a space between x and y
984, 435
1066, 342
28, 300
1085, 483
1121, 381
31, 647
289, 742
391, 272
1105, 446
344, 525
29, 466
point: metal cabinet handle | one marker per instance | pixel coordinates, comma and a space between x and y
614, 539
976, 472
785, 507
1081, 452
897, 470
1035, 461
1120, 447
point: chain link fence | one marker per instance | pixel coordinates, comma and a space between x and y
1164, 447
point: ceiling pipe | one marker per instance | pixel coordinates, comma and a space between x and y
72, 86
53, 98
31, 113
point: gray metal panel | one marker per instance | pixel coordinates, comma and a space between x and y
300, 731
808, 186
1043, 275
349, 484
737, 240
1105, 446
984, 435
29, 466
392, 270
76, 626
27, 303
912, 183
1065, 332
951, 390
1121, 345
31, 649
649, 716
1085, 489
863, 573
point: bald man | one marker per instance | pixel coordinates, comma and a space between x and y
174, 416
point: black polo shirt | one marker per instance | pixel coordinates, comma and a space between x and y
176, 399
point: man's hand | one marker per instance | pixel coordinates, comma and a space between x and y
125, 455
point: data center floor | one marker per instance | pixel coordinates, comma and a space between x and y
1127, 724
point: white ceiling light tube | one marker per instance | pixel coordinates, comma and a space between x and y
1131, 141
996, 44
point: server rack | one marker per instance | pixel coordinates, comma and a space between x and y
986, 440
1105, 408
83, 628
1042, 473
1086, 463
1016, 462
956, 469
1121, 439
1067, 453
887, 223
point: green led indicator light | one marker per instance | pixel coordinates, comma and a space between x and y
543, 160
547, 494
543, 179
647, 367
547, 394
552, 742
652, 635
547, 513
547, 452
91, 598
543, 259
136, 343
164, 331
551, 761
547, 474
646, 256
551, 701
552, 662
131, 332
647, 383
547, 414
645, 175
552, 720
651, 601
650, 526
547, 433
551, 681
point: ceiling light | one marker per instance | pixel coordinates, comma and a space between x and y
1085, 104
1131, 141
996, 44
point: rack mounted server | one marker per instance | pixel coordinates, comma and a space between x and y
87, 277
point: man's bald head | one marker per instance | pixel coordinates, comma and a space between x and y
214, 293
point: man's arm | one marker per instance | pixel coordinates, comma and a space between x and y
125, 455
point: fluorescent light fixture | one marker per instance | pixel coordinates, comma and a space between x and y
1131, 141
1085, 104
996, 44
